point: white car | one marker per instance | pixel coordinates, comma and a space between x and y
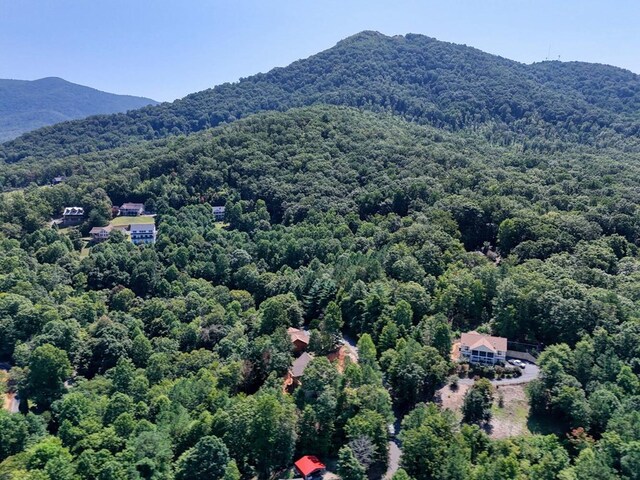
517, 363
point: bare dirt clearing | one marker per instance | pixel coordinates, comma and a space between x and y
511, 419
508, 421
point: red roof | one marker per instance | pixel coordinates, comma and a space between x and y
309, 464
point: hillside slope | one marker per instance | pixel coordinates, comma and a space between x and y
352, 224
423, 79
28, 105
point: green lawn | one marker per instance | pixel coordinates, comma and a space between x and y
120, 221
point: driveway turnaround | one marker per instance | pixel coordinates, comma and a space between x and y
529, 373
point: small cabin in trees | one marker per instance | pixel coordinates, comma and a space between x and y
309, 466
100, 234
295, 373
299, 339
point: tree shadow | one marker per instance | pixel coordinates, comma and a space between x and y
487, 427
546, 425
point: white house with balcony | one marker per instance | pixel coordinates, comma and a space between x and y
486, 349
218, 213
142, 233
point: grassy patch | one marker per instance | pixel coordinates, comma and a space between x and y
121, 221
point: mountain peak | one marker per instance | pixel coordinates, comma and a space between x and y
51, 80
425, 80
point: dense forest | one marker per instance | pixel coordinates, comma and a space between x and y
394, 233
28, 105
425, 80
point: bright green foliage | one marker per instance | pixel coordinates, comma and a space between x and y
49, 367
207, 460
348, 466
372, 425
518, 218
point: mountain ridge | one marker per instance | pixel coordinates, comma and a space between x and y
26, 105
425, 80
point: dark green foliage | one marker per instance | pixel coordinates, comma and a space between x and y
478, 402
442, 84
359, 227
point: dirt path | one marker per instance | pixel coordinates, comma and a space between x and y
452, 399
11, 401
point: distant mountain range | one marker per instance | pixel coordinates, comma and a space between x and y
27, 105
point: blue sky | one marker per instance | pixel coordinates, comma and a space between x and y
167, 49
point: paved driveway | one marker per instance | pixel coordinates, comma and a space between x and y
530, 372
394, 459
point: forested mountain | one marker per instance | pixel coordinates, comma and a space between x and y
425, 80
345, 222
417, 190
28, 105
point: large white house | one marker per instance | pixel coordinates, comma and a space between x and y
143, 233
218, 213
479, 348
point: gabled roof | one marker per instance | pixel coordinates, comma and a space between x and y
132, 206
142, 226
108, 228
309, 464
300, 364
73, 211
473, 340
297, 335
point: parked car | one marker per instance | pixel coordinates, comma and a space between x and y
517, 363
